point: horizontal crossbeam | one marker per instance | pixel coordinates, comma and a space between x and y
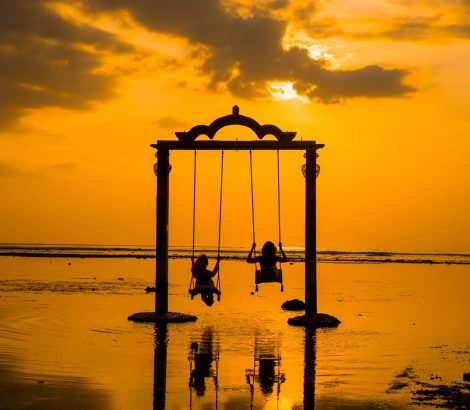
236, 145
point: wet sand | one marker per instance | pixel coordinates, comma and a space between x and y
65, 341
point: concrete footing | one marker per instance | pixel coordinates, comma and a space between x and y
170, 317
318, 320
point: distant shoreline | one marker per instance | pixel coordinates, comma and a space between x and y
292, 258
295, 254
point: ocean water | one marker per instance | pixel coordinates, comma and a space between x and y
295, 254
65, 341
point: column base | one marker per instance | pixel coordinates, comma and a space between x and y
153, 317
316, 320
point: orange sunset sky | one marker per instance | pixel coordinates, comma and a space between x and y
86, 86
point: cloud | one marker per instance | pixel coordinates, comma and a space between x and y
416, 29
245, 53
63, 167
412, 20
459, 30
10, 170
421, 28
48, 61
171, 122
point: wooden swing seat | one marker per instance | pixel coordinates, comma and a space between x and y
268, 275
199, 290
204, 289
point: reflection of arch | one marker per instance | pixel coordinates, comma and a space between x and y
235, 119
266, 369
203, 364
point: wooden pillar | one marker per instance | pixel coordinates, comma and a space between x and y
310, 234
161, 268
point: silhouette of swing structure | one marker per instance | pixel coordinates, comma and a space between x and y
187, 141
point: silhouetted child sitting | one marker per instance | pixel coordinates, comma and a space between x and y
204, 283
268, 260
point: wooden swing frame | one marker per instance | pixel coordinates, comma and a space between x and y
187, 141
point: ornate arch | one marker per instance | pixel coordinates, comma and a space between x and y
235, 119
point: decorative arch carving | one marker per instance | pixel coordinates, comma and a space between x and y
235, 119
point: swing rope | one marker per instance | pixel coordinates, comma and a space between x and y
252, 198
279, 202
220, 215
191, 283
253, 208
194, 202
279, 196
279, 209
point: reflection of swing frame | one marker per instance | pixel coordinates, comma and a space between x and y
214, 375
255, 375
187, 141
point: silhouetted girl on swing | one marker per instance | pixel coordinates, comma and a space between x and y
204, 283
268, 257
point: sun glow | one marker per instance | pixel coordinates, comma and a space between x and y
284, 90
318, 51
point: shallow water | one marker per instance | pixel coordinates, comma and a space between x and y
65, 341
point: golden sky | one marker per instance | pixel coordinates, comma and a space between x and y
87, 85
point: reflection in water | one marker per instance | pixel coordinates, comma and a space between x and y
309, 367
266, 369
264, 378
203, 363
159, 366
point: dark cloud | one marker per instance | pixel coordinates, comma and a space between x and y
278, 4
422, 31
246, 53
460, 30
43, 62
304, 12
370, 81
425, 28
406, 30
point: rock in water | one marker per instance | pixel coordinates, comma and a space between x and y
150, 289
316, 320
294, 304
